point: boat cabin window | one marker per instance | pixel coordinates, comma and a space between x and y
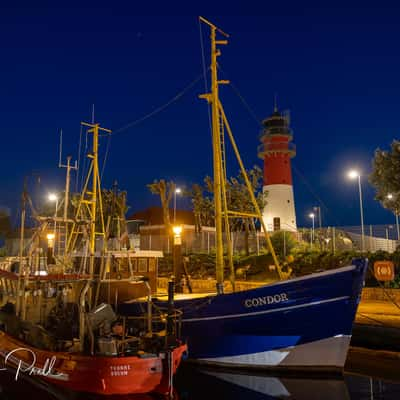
277, 224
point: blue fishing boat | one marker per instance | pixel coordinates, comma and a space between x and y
302, 322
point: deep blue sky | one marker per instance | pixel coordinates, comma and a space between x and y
336, 69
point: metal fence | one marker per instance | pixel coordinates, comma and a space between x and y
376, 237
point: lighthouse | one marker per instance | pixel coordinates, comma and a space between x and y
276, 150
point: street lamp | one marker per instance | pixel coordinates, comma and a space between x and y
390, 197
50, 248
354, 174
54, 197
177, 191
317, 209
312, 216
177, 257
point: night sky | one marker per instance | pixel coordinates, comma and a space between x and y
336, 69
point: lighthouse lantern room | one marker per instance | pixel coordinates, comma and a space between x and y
277, 150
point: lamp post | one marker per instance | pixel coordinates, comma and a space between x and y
176, 191
177, 257
353, 174
312, 216
396, 214
50, 248
54, 197
317, 209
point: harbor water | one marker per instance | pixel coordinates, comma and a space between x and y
193, 383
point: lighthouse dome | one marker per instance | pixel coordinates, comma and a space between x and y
276, 124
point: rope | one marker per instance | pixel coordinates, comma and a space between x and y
204, 73
301, 176
257, 120
372, 319
105, 157
79, 160
246, 105
160, 108
243, 100
311, 190
84, 162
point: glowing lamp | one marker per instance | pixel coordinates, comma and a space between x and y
353, 174
52, 197
177, 229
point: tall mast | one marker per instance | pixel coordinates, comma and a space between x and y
217, 164
21, 252
90, 201
219, 122
69, 167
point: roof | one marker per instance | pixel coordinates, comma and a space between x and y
154, 216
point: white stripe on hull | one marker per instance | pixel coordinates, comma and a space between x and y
330, 352
273, 310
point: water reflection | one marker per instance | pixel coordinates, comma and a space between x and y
31, 387
195, 383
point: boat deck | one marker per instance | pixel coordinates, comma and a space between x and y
177, 296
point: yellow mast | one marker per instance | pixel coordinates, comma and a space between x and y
217, 157
90, 199
21, 271
218, 119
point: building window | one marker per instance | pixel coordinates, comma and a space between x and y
277, 224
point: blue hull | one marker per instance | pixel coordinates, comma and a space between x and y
300, 322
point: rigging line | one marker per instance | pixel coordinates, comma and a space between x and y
79, 161
105, 157
84, 162
160, 108
311, 190
205, 73
246, 105
254, 116
243, 100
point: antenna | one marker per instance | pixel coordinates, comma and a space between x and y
93, 113
286, 115
275, 102
68, 166
60, 150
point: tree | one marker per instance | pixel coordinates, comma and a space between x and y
283, 243
385, 176
114, 211
203, 206
5, 224
239, 200
165, 190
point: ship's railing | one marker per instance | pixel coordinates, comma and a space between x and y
164, 323
276, 147
276, 131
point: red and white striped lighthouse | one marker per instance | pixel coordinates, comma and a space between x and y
276, 150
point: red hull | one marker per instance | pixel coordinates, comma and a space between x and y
100, 375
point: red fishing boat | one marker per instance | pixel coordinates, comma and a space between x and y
56, 320
142, 373
117, 355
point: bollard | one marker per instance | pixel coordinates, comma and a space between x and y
170, 311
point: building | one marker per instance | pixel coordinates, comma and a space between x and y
277, 150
